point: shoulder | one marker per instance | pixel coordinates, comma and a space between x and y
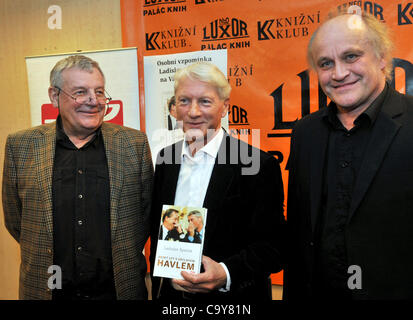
310, 119
170, 154
398, 106
27, 135
305, 128
407, 99
239, 146
251, 159
115, 129
172, 148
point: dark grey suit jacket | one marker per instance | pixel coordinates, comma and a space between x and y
379, 230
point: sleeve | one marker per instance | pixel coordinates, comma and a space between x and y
292, 202
12, 207
227, 286
147, 182
155, 214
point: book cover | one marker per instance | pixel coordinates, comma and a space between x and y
180, 241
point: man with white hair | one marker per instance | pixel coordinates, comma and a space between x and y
195, 227
239, 185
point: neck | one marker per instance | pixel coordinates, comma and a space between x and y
347, 116
195, 146
198, 143
78, 137
347, 119
79, 140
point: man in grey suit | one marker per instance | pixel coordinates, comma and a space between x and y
195, 229
349, 213
76, 195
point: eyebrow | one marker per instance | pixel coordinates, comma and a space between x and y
322, 59
353, 50
191, 97
82, 87
344, 53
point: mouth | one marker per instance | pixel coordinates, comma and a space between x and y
194, 124
90, 112
344, 86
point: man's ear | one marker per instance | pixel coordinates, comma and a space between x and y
54, 96
225, 109
382, 63
173, 111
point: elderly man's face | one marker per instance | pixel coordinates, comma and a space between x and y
196, 221
171, 221
80, 119
199, 108
348, 69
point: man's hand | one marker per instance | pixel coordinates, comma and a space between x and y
191, 229
178, 227
213, 278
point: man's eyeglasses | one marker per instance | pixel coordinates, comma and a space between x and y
82, 96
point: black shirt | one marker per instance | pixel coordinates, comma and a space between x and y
81, 219
345, 153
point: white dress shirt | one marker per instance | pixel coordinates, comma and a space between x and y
194, 176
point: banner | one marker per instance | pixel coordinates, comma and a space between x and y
266, 42
120, 68
159, 88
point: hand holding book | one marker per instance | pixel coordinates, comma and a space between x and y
213, 278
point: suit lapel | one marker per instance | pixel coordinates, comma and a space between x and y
320, 136
219, 183
44, 152
115, 158
383, 133
172, 174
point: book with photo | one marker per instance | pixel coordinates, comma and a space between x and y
180, 241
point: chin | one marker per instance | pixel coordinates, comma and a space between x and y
347, 100
92, 125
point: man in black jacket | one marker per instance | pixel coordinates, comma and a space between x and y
350, 192
239, 185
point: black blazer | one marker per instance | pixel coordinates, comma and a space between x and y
379, 231
245, 221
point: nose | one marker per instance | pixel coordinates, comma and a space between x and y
92, 99
194, 110
340, 71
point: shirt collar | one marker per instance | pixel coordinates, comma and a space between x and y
211, 148
373, 110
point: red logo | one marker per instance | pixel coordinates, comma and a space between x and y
114, 113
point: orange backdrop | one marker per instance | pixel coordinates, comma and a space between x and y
266, 42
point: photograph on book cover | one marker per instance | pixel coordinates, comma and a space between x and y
180, 241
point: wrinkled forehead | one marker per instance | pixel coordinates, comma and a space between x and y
339, 35
82, 77
195, 87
